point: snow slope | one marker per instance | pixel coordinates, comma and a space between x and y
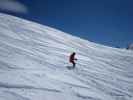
33, 60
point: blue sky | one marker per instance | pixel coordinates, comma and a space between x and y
108, 22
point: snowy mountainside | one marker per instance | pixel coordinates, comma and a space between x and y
33, 60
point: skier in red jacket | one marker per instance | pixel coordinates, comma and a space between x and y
72, 59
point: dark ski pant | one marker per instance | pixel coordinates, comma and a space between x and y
73, 63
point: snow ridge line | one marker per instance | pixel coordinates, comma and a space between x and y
16, 86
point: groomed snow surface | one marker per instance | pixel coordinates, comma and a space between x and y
34, 60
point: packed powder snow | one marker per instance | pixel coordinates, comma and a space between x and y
34, 60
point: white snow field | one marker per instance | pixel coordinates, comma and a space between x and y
34, 60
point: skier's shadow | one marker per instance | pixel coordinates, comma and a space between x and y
70, 67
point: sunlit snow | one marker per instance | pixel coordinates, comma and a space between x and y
34, 60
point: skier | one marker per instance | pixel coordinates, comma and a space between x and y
72, 59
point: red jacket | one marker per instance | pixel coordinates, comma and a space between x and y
72, 57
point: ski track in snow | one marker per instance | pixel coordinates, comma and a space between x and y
34, 60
